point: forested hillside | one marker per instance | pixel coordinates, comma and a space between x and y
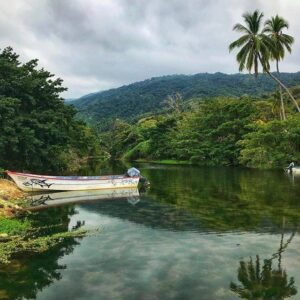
137, 99
220, 131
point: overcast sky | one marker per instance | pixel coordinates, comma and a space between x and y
99, 44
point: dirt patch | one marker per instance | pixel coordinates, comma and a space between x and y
9, 191
10, 195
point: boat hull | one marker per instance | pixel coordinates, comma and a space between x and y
294, 171
33, 183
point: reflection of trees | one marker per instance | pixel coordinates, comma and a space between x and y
225, 199
29, 273
265, 282
24, 277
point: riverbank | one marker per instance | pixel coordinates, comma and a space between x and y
19, 233
10, 199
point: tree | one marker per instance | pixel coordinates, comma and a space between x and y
273, 28
271, 144
256, 47
38, 131
174, 104
252, 42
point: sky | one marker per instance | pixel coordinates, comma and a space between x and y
95, 45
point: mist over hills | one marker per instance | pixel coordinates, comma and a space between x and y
134, 100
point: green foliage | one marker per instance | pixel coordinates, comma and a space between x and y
141, 150
271, 144
38, 233
14, 226
144, 98
37, 129
2, 172
210, 134
221, 131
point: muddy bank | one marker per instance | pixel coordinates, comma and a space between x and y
11, 199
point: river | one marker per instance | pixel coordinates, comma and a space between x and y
196, 233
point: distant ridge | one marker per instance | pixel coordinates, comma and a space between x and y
131, 101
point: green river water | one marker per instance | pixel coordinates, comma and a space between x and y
197, 233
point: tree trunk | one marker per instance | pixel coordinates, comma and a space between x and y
285, 88
280, 83
281, 95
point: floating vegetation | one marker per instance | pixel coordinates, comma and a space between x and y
9, 227
11, 246
24, 234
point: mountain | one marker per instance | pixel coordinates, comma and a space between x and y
131, 101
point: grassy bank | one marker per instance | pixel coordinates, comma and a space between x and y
165, 161
19, 233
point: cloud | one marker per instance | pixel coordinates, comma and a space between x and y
95, 45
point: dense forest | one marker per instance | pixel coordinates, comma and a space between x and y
220, 131
143, 98
38, 131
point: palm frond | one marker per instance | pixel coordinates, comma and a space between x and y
239, 42
253, 20
241, 57
287, 38
250, 60
278, 41
241, 28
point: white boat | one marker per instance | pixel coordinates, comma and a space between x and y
294, 170
32, 182
40, 201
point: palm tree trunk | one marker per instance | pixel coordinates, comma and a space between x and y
279, 82
280, 114
281, 96
285, 88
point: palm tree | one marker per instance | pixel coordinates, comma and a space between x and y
252, 42
273, 28
256, 47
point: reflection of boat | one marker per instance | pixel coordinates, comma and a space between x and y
32, 182
54, 199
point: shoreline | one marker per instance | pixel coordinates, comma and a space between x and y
189, 163
165, 162
11, 198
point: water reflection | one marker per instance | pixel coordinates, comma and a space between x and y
227, 199
263, 282
40, 201
29, 273
181, 239
266, 281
